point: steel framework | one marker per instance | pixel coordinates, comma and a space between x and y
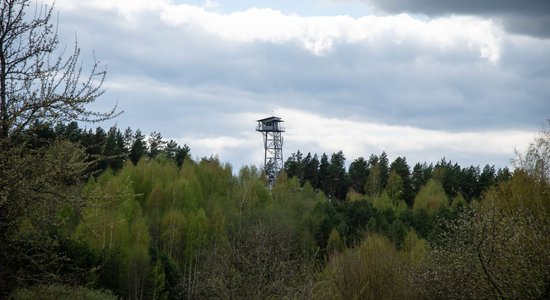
271, 130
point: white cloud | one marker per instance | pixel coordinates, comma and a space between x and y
239, 150
126, 8
320, 34
126, 83
210, 4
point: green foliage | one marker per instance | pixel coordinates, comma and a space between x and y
373, 270
498, 248
216, 230
293, 165
383, 164
139, 147
400, 167
395, 188
336, 180
158, 280
162, 226
458, 202
334, 242
172, 230
384, 203
373, 185
37, 205
431, 198
358, 173
371, 177
195, 217
421, 173
415, 248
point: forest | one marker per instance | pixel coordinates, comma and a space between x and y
113, 214
142, 220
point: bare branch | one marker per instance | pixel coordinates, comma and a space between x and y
37, 80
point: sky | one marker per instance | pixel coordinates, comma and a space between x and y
468, 80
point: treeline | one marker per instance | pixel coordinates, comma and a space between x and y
375, 195
162, 230
158, 228
376, 175
107, 148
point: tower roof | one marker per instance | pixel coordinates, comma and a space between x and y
273, 118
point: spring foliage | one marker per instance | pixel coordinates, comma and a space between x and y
155, 230
134, 218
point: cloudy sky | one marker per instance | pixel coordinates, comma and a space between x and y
426, 79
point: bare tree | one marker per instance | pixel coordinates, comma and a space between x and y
536, 159
39, 82
36, 81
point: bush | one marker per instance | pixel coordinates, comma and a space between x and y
374, 270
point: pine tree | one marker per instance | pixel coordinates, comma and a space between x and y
358, 173
139, 148
156, 144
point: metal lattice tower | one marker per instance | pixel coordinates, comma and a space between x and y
272, 129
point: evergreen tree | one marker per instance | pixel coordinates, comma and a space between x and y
487, 178
373, 160
72, 132
324, 175
156, 144
128, 138
503, 175
358, 173
171, 149
139, 148
449, 175
420, 175
112, 151
311, 170
384, 169
337, 185
468, 183
294, 166
181, 154
97, 144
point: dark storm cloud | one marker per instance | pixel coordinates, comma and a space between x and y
528, 7
530, 17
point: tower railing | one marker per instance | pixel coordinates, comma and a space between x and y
276, 128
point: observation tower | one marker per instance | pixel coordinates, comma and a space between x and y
271, 129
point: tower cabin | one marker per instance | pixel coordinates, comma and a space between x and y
271, 124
